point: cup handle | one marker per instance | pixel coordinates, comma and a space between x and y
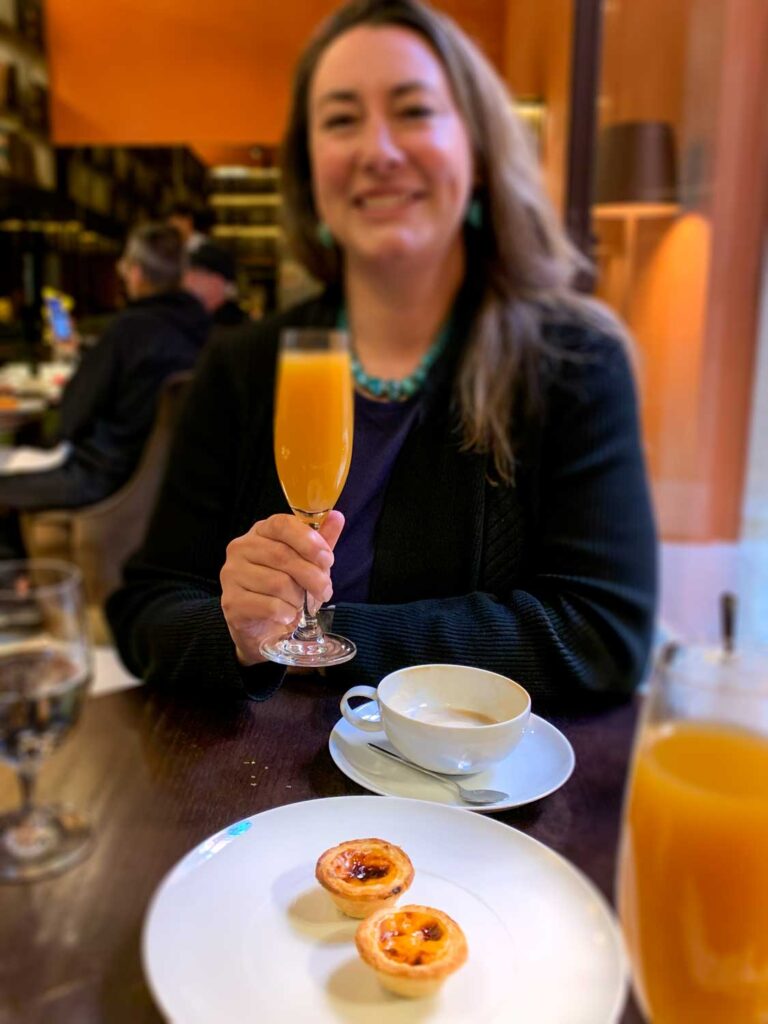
353, 716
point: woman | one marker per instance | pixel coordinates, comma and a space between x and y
497, 508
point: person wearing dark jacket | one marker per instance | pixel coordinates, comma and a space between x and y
496, 511
108, 407
211, 276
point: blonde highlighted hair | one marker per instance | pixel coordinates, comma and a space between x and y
524, 257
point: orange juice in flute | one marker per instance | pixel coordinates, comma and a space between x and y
313, 427
693, 865
313, 430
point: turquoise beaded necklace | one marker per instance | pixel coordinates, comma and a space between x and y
396, 390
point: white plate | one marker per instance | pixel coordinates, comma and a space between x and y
541, 762
241, 931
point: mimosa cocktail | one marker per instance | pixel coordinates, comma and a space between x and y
313, 429
314, 417
693, 868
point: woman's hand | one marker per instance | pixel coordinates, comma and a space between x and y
266, 573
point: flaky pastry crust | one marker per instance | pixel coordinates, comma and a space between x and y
364, 875
413, 948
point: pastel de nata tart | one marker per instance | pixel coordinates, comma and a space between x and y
413, 949
364, 875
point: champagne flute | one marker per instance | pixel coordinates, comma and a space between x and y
693, 865
45, 668
314, 414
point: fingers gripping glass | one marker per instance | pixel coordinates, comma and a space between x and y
45, 668
314, 413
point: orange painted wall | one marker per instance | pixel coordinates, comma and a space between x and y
739, 221
174, 71
537, 63
644, 46
668, 316
128, 71
699, 64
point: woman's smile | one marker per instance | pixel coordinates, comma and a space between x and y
387, 203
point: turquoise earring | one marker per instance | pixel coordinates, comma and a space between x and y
324, 236
474, 215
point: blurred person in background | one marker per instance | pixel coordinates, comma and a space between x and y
192, 222
108, 406
496, 511
211, 276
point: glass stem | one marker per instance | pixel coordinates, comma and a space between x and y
308, 628
27, 776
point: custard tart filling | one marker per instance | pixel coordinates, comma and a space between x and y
412, 948
364, 875
412, 937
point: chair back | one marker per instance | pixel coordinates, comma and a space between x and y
100, 537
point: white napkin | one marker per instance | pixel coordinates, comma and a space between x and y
109, 675
25, 459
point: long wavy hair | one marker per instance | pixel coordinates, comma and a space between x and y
523, 255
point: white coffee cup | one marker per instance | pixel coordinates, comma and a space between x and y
449, 718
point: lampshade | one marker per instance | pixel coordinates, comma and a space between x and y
636, 163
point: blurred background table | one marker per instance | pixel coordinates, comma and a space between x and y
43, 380
29, 396
21, 415
158, 774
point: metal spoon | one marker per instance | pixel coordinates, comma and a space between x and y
728, 622
470, 796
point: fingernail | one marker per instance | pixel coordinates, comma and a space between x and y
326, 559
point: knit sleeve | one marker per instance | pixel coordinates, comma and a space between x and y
579, 618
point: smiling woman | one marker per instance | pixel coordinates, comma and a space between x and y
496, 511
391, 160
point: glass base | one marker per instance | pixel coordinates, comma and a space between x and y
42, 844
287, 650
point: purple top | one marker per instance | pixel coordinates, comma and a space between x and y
380, 431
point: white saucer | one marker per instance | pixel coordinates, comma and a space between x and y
541, 762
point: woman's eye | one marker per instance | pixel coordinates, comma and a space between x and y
416, 112
338, 121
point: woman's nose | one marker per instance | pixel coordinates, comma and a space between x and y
380, 149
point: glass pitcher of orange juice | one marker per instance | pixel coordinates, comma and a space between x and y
692, 881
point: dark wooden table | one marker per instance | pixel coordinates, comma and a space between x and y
160, 774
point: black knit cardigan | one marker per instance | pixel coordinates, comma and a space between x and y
551, 581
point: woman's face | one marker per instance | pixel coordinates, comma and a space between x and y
392, 165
